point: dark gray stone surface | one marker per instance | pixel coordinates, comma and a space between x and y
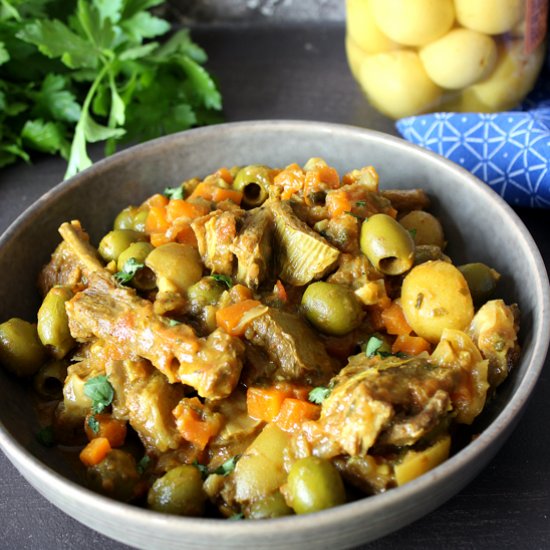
272, 71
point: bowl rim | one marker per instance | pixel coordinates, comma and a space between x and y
482, 449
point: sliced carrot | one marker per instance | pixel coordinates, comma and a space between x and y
296, 411
204, 189
225, 175
338, 203
220, 194
291, 179
193, 424
329, 175
265, 403
157, 200
179, 208
107, 426
95, 451
411, 345
158, 239
394, 320
229, 318
281, 291
156, 221
184, 234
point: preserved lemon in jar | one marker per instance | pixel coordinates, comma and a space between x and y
419, 56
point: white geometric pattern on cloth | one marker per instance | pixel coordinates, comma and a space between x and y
510, 151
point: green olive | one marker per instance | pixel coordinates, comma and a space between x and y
254, 181
428, 252
117, 240
176, 266
117, 476
179, 492
132, 217
21, 350
314, 484
481, 279
271, 506
331, 308
425, 228
205, 292
144, 279
387, 244
48, 381
53, 323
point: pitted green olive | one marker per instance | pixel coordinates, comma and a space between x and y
132, 217
48, 381
205, 292
272, 506
331, 308
21, 351
53, 323
144, 279
177, 266
117, 476
481, 279
314, 484
116, 241
254, 182
179, 492
424, 228
387, 244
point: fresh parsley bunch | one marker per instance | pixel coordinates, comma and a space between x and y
77, 72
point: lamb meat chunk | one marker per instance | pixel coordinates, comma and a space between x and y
215, 234
145, 398
253, 247
382, 402
117, 315
292, 345
302, 254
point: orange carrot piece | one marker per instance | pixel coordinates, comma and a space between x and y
296, 411
411, 345
192, 427
225, 175
156, 221
157, 200
95, 451
291, 179
158, 239
179, 208
265, 403
329, 175
394, 320
281, 291
111, 428
204, 189
338, 203
184, 234
220, 194
229, 318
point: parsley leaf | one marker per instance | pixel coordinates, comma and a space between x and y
225, 279
319, 394
143, 464
93, 424
236, 517
129, 269
89, 70
100, 391
376, 346
227, 467
174, 192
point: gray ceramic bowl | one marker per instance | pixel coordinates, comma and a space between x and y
479, 227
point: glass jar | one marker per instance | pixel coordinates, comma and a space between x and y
419, 56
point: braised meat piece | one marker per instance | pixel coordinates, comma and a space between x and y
292, 346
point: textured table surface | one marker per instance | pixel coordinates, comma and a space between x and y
300, 72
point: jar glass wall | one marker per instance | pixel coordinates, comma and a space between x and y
418, 56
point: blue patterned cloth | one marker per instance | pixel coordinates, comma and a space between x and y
510, 151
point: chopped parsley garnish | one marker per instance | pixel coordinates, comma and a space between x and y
225, 279
375, 346
173, 323
319, 394
236, 517
227, 467
45, 436
361, 203
93, 424
129, 269
100, 391
174, 192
